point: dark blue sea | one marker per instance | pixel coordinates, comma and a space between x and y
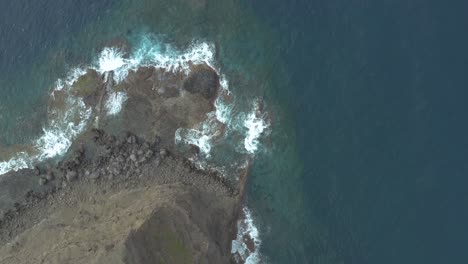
365, 159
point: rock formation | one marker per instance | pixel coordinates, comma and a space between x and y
124, 193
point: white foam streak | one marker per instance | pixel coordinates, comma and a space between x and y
152, 53
255, 127
115, 102
223, 109
20, 161
111, 59
72, 77
203, 137
246, 228
57, 138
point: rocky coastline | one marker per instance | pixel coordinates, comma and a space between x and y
124, 192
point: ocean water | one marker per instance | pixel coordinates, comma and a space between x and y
353, 112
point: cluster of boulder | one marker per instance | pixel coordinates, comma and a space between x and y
110, 157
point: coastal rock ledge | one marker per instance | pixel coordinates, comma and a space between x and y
124, 193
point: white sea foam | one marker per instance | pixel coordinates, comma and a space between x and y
72, 77
57, 137
256, 126
115, 102
150, 52
20, 161
246, 227
203, 137
110, 59
223, 108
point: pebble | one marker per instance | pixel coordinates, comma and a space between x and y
50, 176
163, 153
71, 175
131, 139
149, 154
94, 175
146, 146
42, 181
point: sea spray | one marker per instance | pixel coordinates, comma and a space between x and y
247, 233
115, 102
256, 126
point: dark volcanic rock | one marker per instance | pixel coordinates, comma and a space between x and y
202, 80
87, 86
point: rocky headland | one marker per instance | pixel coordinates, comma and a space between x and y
124, 192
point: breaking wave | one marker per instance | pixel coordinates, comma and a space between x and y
245, 247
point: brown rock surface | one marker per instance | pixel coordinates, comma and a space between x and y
158, 223
119, 196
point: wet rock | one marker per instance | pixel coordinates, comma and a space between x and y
87, 85
163, 153
37, 171
97, 134
156, 140
145, 146
42, 181
149, 154
202, 80
50, 176
71, 175
131, 139
110, 140
94, 175
80, 151
194, 149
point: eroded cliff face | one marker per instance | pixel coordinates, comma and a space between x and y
125, 193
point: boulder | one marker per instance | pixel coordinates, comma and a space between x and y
42, 181
71, 175
202, 80
87, 85
50, 176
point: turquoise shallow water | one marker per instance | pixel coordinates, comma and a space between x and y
366, 159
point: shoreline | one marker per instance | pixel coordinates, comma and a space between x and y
125, 153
